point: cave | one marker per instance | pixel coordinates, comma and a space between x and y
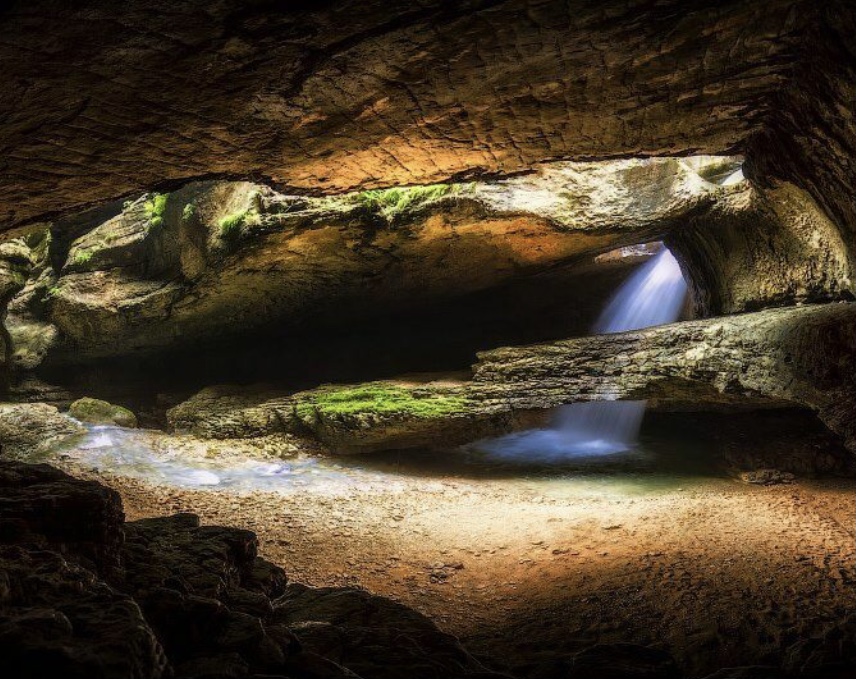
491, 339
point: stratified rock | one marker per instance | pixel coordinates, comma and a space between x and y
801, 356
96, 411
756, 248
380, 93
372, 636
215, 259
30, 429
390, 415
229, 411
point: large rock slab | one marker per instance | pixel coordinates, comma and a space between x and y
373, 93
218, 259
790, 357
802, 356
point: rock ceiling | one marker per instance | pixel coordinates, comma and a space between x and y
104, 100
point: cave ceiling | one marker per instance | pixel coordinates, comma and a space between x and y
104, 100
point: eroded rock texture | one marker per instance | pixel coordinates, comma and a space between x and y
757, 248
217, 259
803, 356
104, 101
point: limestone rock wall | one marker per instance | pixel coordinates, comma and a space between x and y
758, 248
216, 259
105, 101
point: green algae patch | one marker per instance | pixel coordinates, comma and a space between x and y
382, 399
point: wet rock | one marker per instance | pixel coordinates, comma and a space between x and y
95, 411
229, 411
392, 415
30, 429
765, 359
802, 356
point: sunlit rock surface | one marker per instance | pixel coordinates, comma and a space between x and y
802, 355
30, 428
215, 259
759, 247
96, 411
356, 94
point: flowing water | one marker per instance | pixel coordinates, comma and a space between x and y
653, 295
583, 436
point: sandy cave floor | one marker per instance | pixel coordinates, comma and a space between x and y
524, 566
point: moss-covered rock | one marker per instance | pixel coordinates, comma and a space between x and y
95, 411
215, 259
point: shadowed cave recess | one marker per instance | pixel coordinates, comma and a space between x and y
428, 340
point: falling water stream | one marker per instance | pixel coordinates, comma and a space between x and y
584, 431
653, 295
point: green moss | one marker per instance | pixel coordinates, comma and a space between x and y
380, 398
232, 226
188, 212
82, 257
155, 207
95, 411
391, 203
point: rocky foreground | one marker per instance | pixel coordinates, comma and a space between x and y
85, 594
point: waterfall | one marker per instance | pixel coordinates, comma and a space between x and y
653, 295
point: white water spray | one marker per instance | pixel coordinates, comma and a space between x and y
653, 295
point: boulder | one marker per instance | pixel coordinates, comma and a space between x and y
229, 411
96, 411
83, 594
40, 505
31, 429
